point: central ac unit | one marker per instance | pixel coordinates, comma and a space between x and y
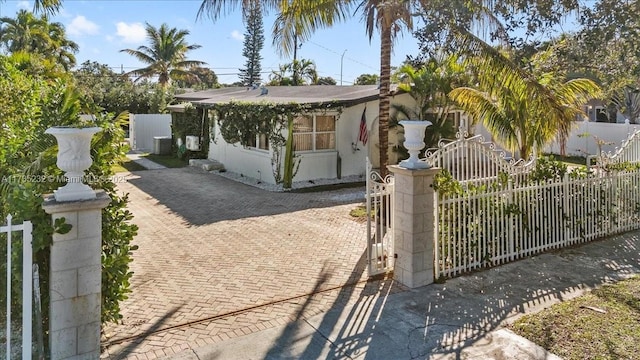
193, 143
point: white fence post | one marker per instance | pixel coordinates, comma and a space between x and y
27, 289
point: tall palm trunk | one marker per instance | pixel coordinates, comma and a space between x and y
385, 82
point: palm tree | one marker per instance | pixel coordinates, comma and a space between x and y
302, 71
299, 19
62, 49
523, 110
429, 85
165, 55
31, 34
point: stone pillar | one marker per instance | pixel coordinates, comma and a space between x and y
75, 278
414, 225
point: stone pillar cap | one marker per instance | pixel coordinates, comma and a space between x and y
52, 206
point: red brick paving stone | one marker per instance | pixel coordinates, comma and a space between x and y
209, 246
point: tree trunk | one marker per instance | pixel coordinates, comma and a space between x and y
385, 83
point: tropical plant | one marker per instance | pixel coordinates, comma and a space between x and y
166, 55
523, 110
30, 105
205, 78
302, 72
299, 19
429, 85
326, 80
367, 79
103, 90
31, 34
516, 22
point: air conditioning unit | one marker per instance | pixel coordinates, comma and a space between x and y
193, 143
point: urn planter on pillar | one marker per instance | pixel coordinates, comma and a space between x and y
74, 145
414, 142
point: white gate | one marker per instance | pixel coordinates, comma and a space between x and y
472, 160
628, 152
27, 290
379, 196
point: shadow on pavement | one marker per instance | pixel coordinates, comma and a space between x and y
455, 320
118, 347
203, 198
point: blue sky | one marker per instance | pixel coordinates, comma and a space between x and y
102, 28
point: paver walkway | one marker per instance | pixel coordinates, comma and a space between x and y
218, 259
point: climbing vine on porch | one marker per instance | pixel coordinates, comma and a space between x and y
240, 122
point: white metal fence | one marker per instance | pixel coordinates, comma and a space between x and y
473, 160
495, 227
379, 197
628, 152
27, 290
507, 220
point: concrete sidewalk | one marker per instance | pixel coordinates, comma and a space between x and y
464, 318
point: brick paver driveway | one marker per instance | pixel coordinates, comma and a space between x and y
218, 259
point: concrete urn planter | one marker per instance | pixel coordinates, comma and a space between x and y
414, 142
74, 145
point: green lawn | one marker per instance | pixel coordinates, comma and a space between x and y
570, 160
603, 324
127, 165
170, 161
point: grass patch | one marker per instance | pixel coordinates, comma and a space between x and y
359, 213
570, 160
576, 329
169, 161
127, 164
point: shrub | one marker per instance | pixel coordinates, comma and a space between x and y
29, 107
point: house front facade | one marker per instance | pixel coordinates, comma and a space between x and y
331, 139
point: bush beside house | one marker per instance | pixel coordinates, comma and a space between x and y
27, 166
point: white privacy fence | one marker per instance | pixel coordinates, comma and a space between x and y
27, 291
143, 128
582, 139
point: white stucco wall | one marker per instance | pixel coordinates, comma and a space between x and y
313, 165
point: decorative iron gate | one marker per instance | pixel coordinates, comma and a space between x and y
628, 152
27, 260
379, 196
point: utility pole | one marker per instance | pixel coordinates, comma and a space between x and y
341, 62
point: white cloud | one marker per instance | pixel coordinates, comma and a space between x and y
235, 34
81, 26
131, 33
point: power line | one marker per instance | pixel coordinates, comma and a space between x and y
346, 57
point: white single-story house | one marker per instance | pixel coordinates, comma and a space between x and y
328, 138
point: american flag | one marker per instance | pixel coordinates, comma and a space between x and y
363, 135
